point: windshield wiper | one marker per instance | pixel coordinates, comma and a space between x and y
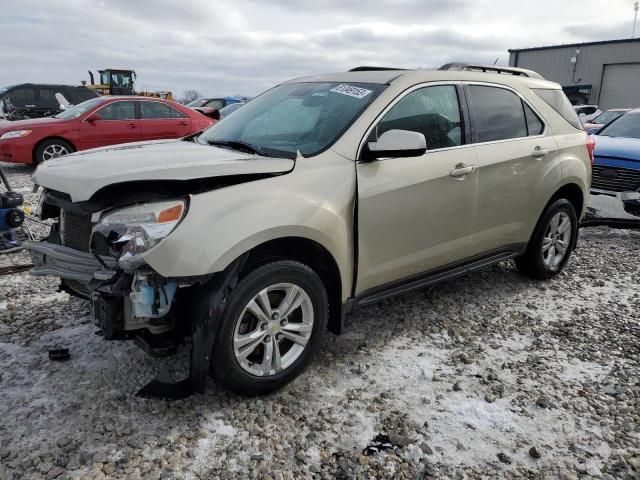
239, 145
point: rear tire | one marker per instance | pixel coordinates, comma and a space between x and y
53, 148
271, 329
552, 242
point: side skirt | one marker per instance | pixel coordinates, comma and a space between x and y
432, 277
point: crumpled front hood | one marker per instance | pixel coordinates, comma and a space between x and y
82, 174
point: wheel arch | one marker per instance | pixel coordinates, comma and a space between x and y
310, 253
573, 193
46, 139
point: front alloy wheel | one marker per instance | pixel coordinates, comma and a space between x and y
54, 151
273, 330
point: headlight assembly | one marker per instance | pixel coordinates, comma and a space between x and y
15, 134
133, 230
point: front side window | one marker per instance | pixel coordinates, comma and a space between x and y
304, 117
497, 114
432, 111
118, 111
157, 110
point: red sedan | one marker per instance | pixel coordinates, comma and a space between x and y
98, 122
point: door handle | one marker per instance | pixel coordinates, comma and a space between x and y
183, 124
132, 125
461, 170
539, 152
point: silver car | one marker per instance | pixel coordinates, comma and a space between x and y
321, 195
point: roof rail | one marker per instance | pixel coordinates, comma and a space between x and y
373, 69
461, 66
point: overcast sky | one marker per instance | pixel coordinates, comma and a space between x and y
221, 47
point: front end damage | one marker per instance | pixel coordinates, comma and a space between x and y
98, 255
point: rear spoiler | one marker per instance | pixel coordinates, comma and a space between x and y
471, 67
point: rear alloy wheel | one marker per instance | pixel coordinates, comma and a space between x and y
271, 328
556, 240
52, 149
552, 242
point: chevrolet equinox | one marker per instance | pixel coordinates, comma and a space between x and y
251, 239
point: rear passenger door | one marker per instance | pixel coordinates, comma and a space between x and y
159, 120
515, 151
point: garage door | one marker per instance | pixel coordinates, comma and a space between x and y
620, 86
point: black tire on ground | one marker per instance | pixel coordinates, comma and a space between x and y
532, 262
226, 368
48, 146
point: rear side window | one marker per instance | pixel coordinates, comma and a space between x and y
534, 124
157, 110
48, 97
22, 97
557, 100
118, 111
497, 114
432, 111
77, 95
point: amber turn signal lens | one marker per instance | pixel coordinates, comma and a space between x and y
172, 214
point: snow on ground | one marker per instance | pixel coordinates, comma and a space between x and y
473, 378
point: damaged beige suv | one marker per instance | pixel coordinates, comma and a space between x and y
249, 240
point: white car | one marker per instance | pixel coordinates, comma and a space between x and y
586, 113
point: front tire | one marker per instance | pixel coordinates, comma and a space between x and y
53, 148
271, 329
552, 242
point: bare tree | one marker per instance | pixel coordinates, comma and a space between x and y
189, 96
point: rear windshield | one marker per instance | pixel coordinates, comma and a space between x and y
557, 100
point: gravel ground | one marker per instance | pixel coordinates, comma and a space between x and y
488, 375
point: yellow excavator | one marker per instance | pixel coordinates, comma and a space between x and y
119, 81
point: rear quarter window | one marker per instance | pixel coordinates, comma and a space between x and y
557, 100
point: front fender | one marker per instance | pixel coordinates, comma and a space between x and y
315, 202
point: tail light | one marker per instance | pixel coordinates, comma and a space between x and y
591, 146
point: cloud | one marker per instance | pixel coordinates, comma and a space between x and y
593, 31
246, 46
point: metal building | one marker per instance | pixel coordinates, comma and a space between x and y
603, 73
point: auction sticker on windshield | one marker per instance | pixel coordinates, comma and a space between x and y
351, 90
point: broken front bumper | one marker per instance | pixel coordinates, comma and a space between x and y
612, 209
70, 264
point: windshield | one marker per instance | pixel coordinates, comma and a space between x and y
606, 117
229, 109
305, 117
627, 126
75, 112
196, 103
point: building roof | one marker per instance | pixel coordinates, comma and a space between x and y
583, 44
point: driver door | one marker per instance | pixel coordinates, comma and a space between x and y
416, 214
118, 123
